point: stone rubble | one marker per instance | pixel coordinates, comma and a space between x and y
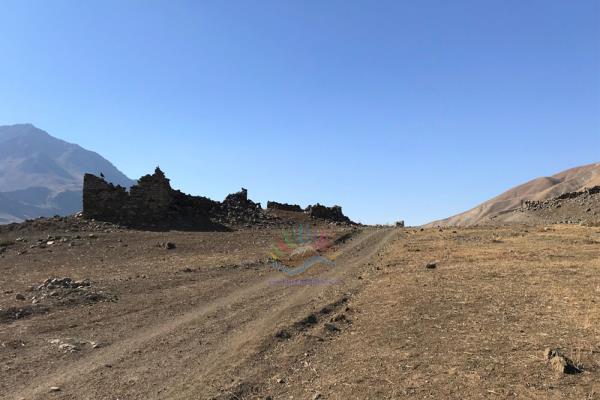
581, 207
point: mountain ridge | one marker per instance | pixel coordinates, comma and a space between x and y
41, 175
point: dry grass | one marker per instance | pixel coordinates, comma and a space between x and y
474, 327
6, 242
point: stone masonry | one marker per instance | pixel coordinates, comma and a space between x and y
153, 204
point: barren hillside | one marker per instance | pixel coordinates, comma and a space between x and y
540, 189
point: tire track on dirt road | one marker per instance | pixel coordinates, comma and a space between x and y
239, 348
229, 348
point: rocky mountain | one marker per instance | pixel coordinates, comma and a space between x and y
41, 175
501, 209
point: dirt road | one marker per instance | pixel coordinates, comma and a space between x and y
180, 335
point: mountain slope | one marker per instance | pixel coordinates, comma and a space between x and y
571, 180
41, 175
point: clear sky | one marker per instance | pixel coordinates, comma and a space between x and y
410, 110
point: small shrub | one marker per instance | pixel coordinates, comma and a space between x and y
6, 242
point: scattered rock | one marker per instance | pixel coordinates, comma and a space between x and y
71, 345
310, 320
15, 313
560, 363
55, 389
66, 283
283, 334
340, 318
431, 265
65, 291
56, 224
331, 327
20, 297
167, 245
13, 344
68, 347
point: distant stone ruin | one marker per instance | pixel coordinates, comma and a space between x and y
238, 209
273, 205
153, 204
150, 203
333, 213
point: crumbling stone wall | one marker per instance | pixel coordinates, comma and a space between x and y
273, 205
150, 203
101, 199
238, 209
333, 213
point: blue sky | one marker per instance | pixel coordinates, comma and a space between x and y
412, 110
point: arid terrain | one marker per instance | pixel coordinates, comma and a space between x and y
503, 208
403, 313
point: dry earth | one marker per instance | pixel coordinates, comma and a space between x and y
212, 319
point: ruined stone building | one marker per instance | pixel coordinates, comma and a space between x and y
152, 203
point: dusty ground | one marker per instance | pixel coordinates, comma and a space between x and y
212, 319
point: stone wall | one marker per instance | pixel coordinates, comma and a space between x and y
273, 205
152, 203
333, 213
101, 199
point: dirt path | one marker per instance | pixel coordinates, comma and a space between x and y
193, 354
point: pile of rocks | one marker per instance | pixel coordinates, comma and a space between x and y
581, 207
557, 202
71, 345
65, 283
67, 290
238, 209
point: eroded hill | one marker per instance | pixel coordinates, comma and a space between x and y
540, 189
